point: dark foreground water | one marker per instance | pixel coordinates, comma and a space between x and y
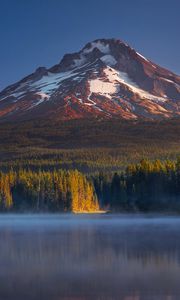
54, 257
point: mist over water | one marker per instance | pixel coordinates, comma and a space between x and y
124, 257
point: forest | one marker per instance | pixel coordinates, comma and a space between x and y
90, 165
147, 186
89, 146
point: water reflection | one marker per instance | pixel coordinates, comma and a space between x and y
89, 257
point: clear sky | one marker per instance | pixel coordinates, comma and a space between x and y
39, 32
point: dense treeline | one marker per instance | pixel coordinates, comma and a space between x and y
146, 186
87, 145
52, 191
85, 160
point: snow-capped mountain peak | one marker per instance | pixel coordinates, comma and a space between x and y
107, 78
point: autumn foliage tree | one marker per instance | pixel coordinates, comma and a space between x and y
55, 191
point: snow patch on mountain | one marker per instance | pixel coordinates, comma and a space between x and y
114, 75
110, 85
142, 56
121, 77
104, 48
43, 87
47, 84
16, 96
109, 60
168, 80
42, 98
98, 86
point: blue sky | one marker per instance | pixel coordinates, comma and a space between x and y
39, 32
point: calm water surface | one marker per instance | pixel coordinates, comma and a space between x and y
76, 257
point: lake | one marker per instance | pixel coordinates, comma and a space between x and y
79, 257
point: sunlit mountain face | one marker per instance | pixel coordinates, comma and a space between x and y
106, 79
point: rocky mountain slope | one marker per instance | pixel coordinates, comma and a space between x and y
106, 79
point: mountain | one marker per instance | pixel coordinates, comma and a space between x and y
106, 79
